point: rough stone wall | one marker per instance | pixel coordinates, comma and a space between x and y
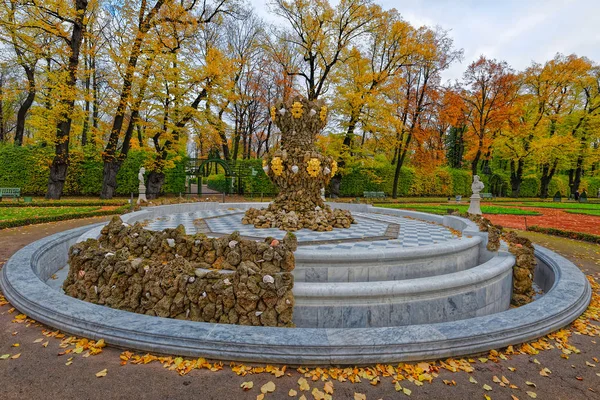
300, 171
524, 253
171, 274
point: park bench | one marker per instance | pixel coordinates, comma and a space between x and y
487, 196
10, 192
373, 195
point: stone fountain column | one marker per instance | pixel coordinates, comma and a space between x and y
300, 171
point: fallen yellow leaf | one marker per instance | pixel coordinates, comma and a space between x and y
530, 384
4, 356
487, 387
16, 356
406, 391
359, 396
247, 385
303, 384
260, 396
37, 340
533, 395
292, 393
513, 397
317, 394
101, 373
328, 388
472, 380
268, 387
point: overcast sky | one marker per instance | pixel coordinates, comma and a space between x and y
516, 31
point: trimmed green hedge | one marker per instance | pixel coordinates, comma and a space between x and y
62, 217
219, 183
440, 182
28, 168
63, 203
586, 237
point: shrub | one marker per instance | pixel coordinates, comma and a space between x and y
559, 183
27, 168
586, 237
219, 183
530, 187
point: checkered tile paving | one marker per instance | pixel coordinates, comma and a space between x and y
413, 233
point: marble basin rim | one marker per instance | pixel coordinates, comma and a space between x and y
22, 280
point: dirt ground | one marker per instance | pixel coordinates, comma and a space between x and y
42, 373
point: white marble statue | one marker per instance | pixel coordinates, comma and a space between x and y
476, 187
142, 186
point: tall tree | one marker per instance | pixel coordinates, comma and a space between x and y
418, 93
28, 50
65, 20
319, 34
490, 88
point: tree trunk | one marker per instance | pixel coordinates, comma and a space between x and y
140, 137
86, 118
109, 179
547, 174
25, 106
2, 130
516, 177
155, 182
60, 163
575, 175
95, 92
475, 163
58, 168
402, 149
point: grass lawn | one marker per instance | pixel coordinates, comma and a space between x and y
443, 209
19, 216
595, 212
16, 213
65, 201
564, 206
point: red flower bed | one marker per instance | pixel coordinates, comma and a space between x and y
550, 218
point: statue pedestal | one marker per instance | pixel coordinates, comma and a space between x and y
474, 207
142, 196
